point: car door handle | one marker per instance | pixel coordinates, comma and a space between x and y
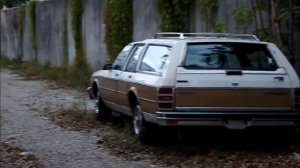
116, 74
130, 76
280, 78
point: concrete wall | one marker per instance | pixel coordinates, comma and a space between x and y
9, 35
94, 33
49, 28
146, 19
49, 31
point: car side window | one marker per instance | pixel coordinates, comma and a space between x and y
121, 59
134, 58
155, 59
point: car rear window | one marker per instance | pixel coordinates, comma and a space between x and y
239, 56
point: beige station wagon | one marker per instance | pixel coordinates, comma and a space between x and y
199, 79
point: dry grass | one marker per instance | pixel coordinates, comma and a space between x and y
13, 156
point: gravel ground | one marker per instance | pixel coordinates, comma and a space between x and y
21, 121
56, 126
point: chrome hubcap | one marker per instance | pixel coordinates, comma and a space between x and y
97, 103
96, 106
137, 120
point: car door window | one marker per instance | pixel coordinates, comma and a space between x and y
134, 58
121, 59
155, 59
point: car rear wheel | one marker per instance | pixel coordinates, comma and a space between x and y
139, 126
102, 112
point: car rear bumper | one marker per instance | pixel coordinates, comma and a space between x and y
231, 120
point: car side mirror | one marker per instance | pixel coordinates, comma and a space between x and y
107, 67
117, 67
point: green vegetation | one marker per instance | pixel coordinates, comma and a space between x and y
64, 38
77, 7
33, 69
208, 8
243, 18
174, 15
20, 30
220, 27
32, 16
12, 3
118, 21
21, 19
80, 68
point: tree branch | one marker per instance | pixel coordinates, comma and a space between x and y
284, 14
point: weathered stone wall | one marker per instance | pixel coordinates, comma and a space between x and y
94, 33
49, 31
9, 35
50, 28
146, 19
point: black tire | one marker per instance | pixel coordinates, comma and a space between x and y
102, 112
140, 127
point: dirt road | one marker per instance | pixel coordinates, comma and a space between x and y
22, 123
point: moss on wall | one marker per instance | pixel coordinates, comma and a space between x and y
118, 21
64, 38
174, 15
20, 32
32, 15
80, 68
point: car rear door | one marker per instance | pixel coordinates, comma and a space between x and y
231, 77
109, 80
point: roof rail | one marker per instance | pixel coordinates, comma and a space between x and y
176, 35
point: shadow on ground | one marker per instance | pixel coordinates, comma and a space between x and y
208, 147
190, 146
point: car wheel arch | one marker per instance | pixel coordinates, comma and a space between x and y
132, 98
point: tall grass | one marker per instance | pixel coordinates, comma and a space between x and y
73, 77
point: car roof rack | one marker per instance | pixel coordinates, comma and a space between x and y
176, 35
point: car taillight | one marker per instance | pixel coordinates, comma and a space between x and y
297, 98
165, 98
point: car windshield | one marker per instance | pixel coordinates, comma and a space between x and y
239, 56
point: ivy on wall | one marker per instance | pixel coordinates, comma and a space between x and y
21, 20
243, 18
20, 25
174, 15
118, 29
80, 69
220, 27
32, 15
77, 7
208, 8
64, 38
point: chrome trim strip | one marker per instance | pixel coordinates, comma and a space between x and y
112, 90
144, 99
231, 88
125, 81
118, 108
105, 88
115, 91
150, 117
232, 109
283, 113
